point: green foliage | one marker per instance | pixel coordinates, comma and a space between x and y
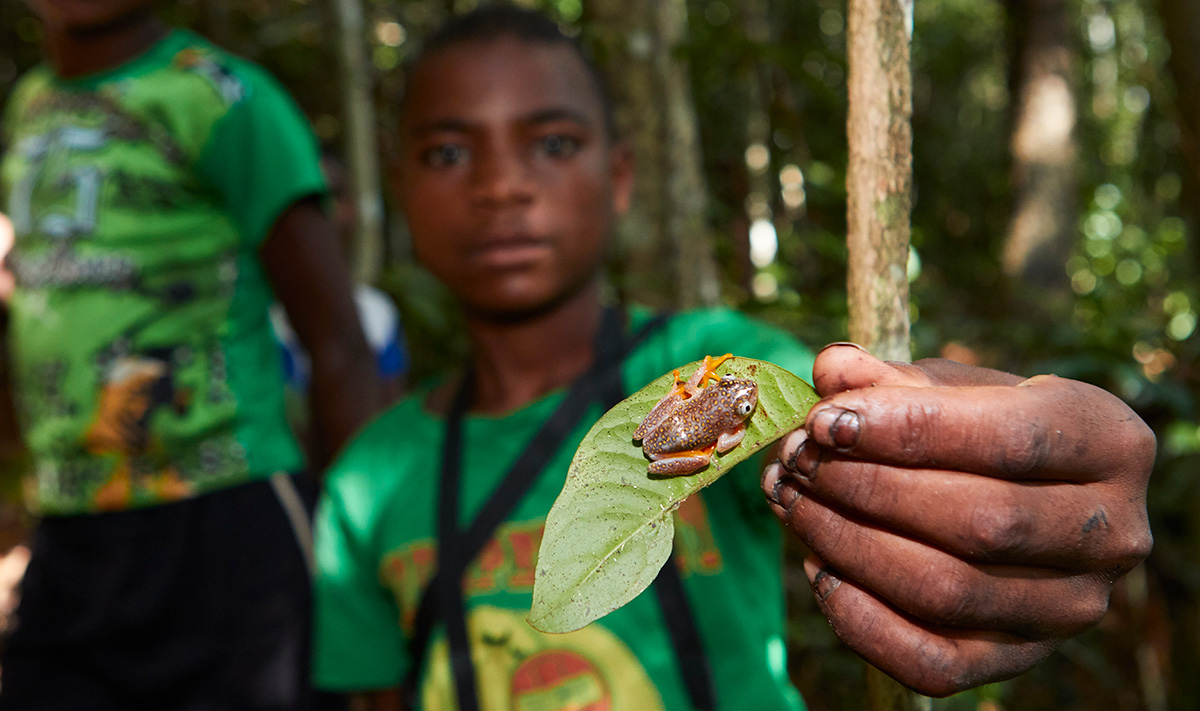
610, 530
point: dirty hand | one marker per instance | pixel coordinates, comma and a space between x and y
963, 522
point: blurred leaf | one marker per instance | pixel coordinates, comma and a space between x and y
611, 528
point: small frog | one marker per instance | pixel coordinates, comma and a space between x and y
693, 420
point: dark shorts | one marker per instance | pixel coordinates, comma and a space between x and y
198, 604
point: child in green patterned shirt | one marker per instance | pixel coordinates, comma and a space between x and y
161, 192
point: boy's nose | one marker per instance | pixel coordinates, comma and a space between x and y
502, 177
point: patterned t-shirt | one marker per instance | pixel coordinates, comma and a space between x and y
145, 366
376, 550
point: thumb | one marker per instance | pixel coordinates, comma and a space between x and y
848, 366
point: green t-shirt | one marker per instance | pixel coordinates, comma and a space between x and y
376, 550
144, 362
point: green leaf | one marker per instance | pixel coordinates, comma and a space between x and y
611, 529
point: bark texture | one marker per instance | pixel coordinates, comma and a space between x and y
879, 176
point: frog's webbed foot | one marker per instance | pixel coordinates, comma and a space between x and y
728, 440
705, 372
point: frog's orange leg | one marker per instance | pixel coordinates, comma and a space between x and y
678, 388
711, 364
708, 370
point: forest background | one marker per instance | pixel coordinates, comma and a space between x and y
1056, 191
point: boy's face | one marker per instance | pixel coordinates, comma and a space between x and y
507, 176
85, 15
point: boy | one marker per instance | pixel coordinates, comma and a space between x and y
510, 177
161, 189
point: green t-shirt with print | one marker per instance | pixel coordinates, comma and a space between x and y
144, 363
376, 550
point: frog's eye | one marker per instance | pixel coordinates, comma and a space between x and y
744, 407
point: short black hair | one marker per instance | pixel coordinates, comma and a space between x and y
501, 20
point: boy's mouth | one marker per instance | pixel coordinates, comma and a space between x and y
509, 250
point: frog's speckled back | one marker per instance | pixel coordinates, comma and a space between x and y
700, 419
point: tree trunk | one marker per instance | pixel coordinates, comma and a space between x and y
361, 144
879, 187
1041, 228
1181, 25
664, 246
879, 176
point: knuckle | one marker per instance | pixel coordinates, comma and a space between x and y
950, 666
1089, 605
1026, 448
998, 527
1133, 444
833, 536
946, 596
821, 530
1126, 546
864, 493
1130, 549
1139, 547
1082, 602
942, 671
1091, 612
1144, 449
918, 431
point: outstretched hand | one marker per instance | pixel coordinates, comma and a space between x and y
963, 522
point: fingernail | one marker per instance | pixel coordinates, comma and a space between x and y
805, 459
791, 447
842, 427
825, 582
844, 343
770, 477
1036, 379
779, 486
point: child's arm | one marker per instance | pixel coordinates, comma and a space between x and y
305, 267
964, 522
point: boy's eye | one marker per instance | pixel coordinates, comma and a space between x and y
556, 144
445, 154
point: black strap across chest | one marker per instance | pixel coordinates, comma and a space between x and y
443, 598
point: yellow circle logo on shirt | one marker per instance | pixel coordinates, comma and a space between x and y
518, 668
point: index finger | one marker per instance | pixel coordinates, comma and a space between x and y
1044, 428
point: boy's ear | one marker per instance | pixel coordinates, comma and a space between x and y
622, 170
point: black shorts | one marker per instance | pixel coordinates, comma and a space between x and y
197, 604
